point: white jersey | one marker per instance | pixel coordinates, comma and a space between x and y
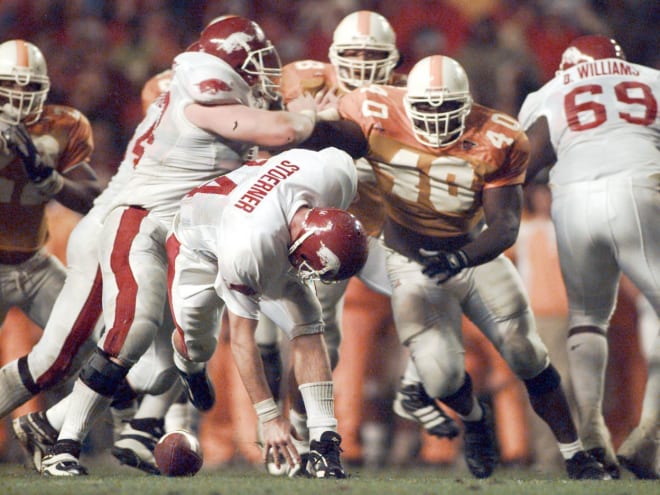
242, 220
603, 121
171, 155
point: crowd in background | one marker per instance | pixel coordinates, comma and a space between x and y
101, 52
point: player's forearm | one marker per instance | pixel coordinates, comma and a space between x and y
78, 195
290, 128
248, 359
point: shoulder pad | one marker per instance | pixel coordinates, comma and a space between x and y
208, 80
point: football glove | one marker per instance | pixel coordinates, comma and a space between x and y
47, 180
441, 265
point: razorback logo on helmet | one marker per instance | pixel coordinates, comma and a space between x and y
214, 86
331, 262
574, 56
234, 42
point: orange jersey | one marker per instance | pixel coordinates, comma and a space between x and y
311, 76
63, 137
154, 87
436, 191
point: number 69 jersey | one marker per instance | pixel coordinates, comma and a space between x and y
602, 118
436, 191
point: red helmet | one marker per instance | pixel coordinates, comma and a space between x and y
243, 45
590, 48
332, 246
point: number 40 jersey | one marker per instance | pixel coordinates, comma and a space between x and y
436, 191
602, 118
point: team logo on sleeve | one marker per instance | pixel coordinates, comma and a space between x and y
214, 86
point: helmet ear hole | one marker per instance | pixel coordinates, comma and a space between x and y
333, 246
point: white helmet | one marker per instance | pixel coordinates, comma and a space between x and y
368, 32
437, 100
24, 82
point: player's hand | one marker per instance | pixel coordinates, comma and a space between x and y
303, 103
17, 139
277, 439
441, 265
327, 99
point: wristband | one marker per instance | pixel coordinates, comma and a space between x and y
267, 410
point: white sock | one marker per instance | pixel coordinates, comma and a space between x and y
320, 406
85, 406
587, 359
57, 412
14, 392
568, 450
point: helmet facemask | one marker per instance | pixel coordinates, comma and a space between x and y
263, 66
357, 66
438, 121
24, 82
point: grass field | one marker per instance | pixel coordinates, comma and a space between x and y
116, 480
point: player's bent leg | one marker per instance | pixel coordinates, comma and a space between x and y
549, 402
479, 442
412, 402
196, 382
92, 394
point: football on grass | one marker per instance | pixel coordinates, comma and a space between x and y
178, 454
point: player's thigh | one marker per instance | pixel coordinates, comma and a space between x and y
194, 302
586, 254
76, 318
496, 302
134, 268
418, 302
45, 283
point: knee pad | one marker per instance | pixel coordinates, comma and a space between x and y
521, 347
102, 375
123, 395
440, 367
546, 381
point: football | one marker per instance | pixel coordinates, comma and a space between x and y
178, 453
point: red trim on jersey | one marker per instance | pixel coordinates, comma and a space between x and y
129, 227
80, 331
